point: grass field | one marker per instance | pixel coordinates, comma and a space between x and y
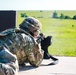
64, 35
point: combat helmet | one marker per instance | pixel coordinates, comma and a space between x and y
31, 25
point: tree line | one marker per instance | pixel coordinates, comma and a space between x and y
62, 16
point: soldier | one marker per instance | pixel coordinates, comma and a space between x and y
33, 26
21, 42
8, 62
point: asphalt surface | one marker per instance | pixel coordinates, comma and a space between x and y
65, 66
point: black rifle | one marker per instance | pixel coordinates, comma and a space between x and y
45, 43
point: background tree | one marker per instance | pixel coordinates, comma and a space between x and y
55, 15
62, 16
67, 17
74, 17
23, 15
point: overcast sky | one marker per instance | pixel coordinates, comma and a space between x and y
37, 4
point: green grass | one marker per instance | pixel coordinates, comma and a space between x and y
64, 35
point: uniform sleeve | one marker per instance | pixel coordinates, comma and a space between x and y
6, 54
36, 56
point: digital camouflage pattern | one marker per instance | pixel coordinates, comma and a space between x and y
22, 45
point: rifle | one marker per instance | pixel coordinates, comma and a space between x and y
45, 43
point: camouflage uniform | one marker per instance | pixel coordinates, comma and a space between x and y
8, 62
33, 27
22, 45
20, 42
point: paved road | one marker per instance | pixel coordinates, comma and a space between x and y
66, 66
